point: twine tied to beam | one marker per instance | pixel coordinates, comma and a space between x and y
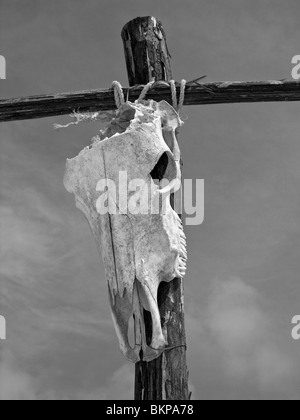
120, 100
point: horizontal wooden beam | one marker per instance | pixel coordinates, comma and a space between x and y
102, 100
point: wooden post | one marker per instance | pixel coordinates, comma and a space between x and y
146, 52
166, 378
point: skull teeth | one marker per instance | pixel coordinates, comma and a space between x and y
178, 219
182, 265
181, 232
183, 256
183, 252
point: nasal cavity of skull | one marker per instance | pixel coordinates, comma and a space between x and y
148, 326
160, 169
148, 329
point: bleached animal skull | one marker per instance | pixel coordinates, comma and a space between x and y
139, 250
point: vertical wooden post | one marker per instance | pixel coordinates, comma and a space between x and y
166, 378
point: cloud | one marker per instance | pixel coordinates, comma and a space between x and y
53, 289
233, 337
118, 387
48, 269
15, 385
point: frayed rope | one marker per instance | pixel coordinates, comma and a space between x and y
120, 100
86, 117
176, 105
118, 93
145, 90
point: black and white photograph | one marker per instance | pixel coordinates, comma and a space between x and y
149, 203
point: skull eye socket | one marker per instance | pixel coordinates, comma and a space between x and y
159, 170
166, 173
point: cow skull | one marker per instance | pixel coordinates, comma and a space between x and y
139, 249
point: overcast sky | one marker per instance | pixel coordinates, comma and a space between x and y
242, 286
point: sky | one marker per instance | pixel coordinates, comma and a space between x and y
242, 286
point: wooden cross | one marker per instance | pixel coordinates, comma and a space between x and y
148, 59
